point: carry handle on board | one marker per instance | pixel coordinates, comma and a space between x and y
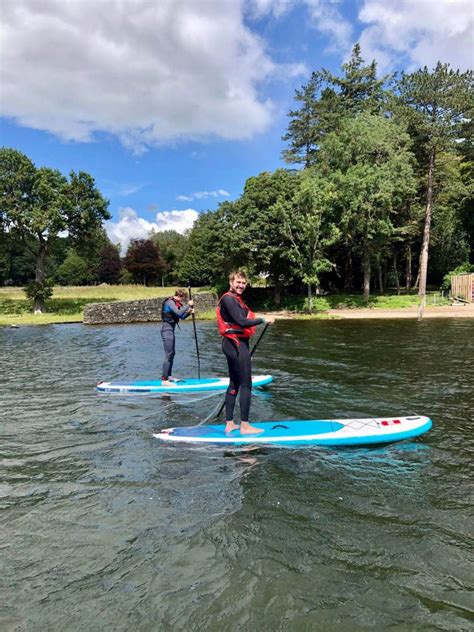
251, 354
195, 333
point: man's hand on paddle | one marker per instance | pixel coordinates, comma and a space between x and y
269, 320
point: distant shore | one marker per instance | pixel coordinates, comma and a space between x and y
442, 311
361, 313
68, 303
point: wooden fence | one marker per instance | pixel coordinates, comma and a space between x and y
462, 286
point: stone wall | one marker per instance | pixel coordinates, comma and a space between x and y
143, 311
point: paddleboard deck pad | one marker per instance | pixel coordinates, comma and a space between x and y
182, 386
334, 432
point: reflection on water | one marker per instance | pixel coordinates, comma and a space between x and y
101, 522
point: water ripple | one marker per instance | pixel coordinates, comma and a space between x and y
100, 522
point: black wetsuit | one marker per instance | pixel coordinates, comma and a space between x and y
238, 358
171, 314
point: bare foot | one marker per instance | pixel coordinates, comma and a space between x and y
246, 428
166, 383
173, 379
230, 426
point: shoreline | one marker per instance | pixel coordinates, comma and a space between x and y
365, 313
359, 313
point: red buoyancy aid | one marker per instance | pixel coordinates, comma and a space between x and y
231, 330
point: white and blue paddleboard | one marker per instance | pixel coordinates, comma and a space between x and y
334, 432
182, 386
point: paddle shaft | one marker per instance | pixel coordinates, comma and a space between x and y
258, 340
251, 354
195, 335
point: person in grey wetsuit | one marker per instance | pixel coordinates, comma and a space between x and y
173, 310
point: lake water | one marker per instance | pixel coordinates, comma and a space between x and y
104, 528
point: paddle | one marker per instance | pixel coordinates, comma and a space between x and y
251, 354
195, 335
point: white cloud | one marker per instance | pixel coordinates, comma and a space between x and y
130, 226
259, 8
130, 189
324, 16
179, 221
200, 195
415, 34
148, 72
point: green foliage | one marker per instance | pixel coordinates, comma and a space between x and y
17, 174
39, 291
436, 105
86, 209
466, 206
257, 236
309, 224
125, 277
93, 246
208, 257
40, 203
370, 165
449, 241
374, 163
464, 268
326, 100
16, 262
172, 246
73, 271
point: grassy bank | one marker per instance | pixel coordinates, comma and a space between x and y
67, 303
355, 301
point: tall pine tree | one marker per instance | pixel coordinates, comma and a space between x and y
326, 100
437, 105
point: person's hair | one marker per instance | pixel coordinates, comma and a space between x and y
237, 274
182, 294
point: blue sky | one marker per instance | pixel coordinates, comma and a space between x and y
172, 104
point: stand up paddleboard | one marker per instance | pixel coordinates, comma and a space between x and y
182, 386
337, 432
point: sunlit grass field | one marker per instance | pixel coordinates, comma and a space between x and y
67, 303
390, 300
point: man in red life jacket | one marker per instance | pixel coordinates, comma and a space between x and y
173, 310
236, 323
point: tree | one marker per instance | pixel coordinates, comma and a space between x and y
370, 164
172, 246
74, 270
143, 261
449, 239
310, 227
16, 263
437, 105
257, 238
41, 203
303, 130
326, 100
91, 249
110, 264
208, 258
